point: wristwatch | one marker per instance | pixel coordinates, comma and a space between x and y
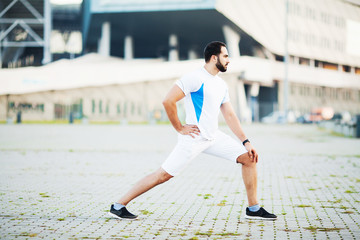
244, 142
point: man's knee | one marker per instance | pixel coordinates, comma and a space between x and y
245, 160
163, 176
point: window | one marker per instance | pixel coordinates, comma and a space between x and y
357, 70
125, 109
350, 95
107, 108
330, 66
139, 109
40, 107
118, 108
11, 105
346, 95
318, 64
132, 108
93, 106
304, 61
279, 58
293, 88
100, 106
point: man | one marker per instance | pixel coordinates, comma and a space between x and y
205, 95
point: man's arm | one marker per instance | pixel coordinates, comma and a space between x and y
233, 122
176, 94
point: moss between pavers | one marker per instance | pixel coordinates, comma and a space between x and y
303, 206
26, 234
211, 233
322, 229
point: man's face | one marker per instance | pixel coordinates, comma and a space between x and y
222, 60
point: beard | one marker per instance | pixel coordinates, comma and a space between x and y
221, 67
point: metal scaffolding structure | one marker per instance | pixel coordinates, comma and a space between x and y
25, 24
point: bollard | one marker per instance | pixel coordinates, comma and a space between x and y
124, 121
9, 120
18, 117
85, 120
71, 118
357, 126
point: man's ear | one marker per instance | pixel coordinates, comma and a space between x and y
214, 58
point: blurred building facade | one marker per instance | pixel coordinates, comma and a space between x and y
320, 37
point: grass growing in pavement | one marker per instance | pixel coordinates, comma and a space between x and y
289, 230
222, 203
350, 191
348, 212
303, 206
146, 212
335, 201
322, 229
71, 215
210, 233
228, 234
207, 196
26, 234
44, 195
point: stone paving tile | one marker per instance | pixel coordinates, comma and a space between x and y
54, 191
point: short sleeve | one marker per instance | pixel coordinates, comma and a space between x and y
226, 96
188, 84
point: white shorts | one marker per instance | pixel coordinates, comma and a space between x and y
188, 148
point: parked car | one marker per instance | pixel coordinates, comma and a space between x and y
279, 117
320, 114
317, 115
303, 118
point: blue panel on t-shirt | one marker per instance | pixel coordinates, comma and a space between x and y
198, 100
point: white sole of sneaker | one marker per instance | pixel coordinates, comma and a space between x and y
259, 218
115, 216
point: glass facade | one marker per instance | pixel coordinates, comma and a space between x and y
106, 6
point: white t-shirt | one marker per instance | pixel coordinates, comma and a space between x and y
204, 94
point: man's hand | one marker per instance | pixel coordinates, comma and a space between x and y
191, 130
252, 152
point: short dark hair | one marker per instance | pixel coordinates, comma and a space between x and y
213, 48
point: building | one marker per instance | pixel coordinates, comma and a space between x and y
66, 37
320, 39
24, 32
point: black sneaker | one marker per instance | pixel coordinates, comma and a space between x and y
123, 213
261, 214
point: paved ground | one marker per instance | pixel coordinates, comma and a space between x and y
58, 181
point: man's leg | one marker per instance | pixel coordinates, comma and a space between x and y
179, 158
175, 162
230, 149
118, 209
144, 185
249, 175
